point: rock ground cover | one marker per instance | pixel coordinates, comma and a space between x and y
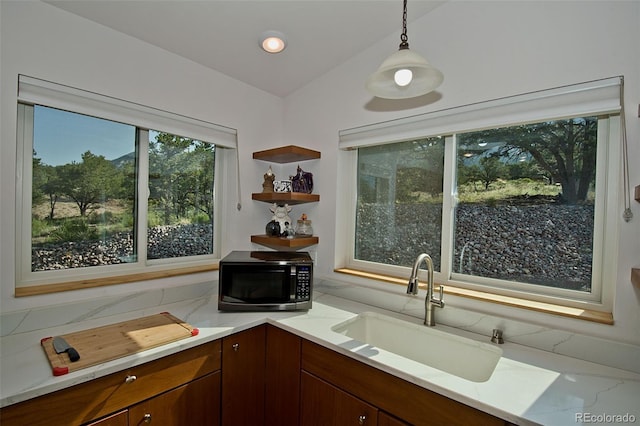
541, 243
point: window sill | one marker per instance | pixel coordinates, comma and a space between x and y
548, 308
116, 279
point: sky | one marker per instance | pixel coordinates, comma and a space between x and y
60, 137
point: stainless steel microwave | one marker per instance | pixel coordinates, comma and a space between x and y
265, 281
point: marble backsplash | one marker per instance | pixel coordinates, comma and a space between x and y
74, 312
588, 348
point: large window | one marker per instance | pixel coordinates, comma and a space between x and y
83, 190
100, 198
515, 208
526, 199
399, 210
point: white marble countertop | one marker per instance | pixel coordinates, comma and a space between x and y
528, 386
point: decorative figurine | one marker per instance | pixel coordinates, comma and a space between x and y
273, 228
281, 215
282, 186
288, 232
267, 185
302, 182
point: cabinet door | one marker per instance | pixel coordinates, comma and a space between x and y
282, 396
326, 405
196, 403
243, 378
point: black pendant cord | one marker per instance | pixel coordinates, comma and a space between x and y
404, 39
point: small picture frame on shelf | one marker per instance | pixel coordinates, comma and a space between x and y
282, 186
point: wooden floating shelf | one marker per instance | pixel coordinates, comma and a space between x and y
286, 154
280, 243
285, 197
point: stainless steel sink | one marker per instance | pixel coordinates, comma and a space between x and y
460, 356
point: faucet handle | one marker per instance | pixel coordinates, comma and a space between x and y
496, 336
439, 302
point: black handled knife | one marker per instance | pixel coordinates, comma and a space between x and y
61, 345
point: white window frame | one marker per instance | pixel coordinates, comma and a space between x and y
40, 92
599, 98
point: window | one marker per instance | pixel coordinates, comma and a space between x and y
181, 203
502, 202
100, 198
399, 208
82, 190
525, 209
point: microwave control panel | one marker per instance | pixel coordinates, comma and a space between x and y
303, 288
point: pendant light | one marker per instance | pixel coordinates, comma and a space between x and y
404, 74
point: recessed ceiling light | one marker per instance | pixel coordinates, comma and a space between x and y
273, 42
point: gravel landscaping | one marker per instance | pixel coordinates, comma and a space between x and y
164, 242
548, 244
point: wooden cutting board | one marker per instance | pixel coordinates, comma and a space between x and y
102, 344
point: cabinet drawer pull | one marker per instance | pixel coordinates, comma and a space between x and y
130, 379
361, 419
147, 418
236, 346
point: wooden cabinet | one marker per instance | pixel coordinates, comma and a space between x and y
243, 377
285, 154
92, 400
282, 396
403, 400
326, 405
196, 403
260, 376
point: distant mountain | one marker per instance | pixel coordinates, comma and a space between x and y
125, 159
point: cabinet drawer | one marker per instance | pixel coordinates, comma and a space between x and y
87, 401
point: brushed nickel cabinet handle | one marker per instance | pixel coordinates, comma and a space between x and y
362, 419
235, 347
147, 418
130, 379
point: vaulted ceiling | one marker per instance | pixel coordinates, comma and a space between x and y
224, 35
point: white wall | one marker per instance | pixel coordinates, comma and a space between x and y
486, 50
42, 41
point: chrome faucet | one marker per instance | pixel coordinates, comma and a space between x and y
429, 301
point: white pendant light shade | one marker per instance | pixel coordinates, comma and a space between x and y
425, 77
404, 74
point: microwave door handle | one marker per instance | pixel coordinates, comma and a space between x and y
292, 283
